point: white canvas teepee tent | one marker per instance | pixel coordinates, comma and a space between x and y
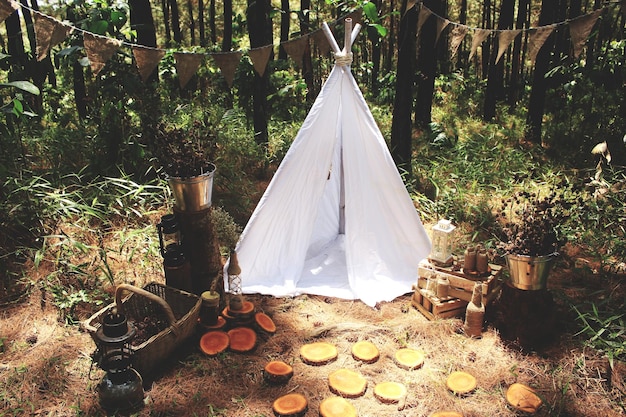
336, 219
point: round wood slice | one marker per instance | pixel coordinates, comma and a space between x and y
290, 405
242, 339
446, 414
265, 323
214, 342
219, 324
390, 392
277, 372
409, 358
347, 383
247, 309
337, 407
523, 398
318, 353
461, 383
365, 351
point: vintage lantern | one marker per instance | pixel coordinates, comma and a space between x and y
442, 242
170, 236
234, 283
121, 388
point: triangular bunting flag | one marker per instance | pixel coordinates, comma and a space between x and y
422, 17
295, 48
504, 40
186, 66
409, 6
7, 8
48, 33
536, 39
228, 62
99, 49
441, 25
320, 41
458, 33
147, 60
580, 28
260, 57
479, 37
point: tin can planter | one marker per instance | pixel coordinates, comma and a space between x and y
529, 272
193, 194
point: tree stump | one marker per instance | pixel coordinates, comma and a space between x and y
318, 353
290, 405
277, 372
524, 316
523, 398
365, 351
201, 249
347, 383
214, 342
337, 407
461, 383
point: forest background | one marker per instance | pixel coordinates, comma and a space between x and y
81, 185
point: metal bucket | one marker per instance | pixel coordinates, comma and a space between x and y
194, 193
529, 272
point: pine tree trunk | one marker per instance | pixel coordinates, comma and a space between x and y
495, 79
178, 35
142, 22
227, 41
401, 126
517, 56
284, 27
212, 22
192, 23
260, 32
307, 62
538, 93
427, 67
201, 26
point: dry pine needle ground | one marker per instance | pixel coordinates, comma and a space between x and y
46, 366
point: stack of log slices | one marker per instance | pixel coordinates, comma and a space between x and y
236, 330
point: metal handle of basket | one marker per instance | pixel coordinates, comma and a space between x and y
140, 291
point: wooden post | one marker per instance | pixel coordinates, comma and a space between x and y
201, 249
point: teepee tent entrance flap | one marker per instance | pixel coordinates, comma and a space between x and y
336, 219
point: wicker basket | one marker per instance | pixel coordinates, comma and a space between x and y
180, 307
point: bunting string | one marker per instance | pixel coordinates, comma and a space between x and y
50, 32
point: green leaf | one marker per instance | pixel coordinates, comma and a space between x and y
18, 107
118, 18
382, 31
99, 27
23, 85
370, 11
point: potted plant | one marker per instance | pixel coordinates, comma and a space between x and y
185, 152
531, 236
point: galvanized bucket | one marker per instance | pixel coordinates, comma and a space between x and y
529, 272
193, 194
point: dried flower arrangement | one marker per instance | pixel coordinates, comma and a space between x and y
184, 151
531, 224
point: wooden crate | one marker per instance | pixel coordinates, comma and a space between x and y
459, 291
461, 285
434, 307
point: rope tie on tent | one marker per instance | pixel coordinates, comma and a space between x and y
343, 59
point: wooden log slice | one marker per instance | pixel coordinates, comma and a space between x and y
409, 358
246, 310
242, 339
461, 383
390, 392
277, 372
265, 323
219, 324
365, 351
318, 353
214, 342
337, 407
523, 398
347, 383
446, 414
290, 405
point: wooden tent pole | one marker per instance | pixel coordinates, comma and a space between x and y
347, 42
330, 38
